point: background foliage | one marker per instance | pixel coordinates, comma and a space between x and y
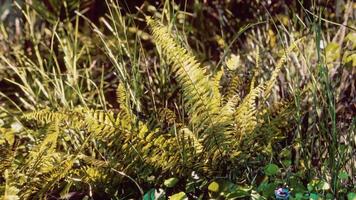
177, 99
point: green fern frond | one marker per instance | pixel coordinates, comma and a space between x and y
122, 100
196, 86
198, 92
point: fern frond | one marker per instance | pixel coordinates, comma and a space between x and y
44, 116
246, 112
233, 91
271, 82
198, 92
11, 191
123, 100
167, 115
190, 138
51, 137
196, 86
215, 81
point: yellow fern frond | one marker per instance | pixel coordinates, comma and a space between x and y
246, 112
233, 89
271, 82
189, 137
215, 81
122, 100
198, 92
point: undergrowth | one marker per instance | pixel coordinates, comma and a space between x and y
133, 105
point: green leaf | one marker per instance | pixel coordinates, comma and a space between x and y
238, 194
343, 175
323, 185
312, 185
268, 190
329, 196
296, 185
153, 195
313, 196
271, 169
178, 196
299, 196
171, 182
351, 196
213, 187
287, 163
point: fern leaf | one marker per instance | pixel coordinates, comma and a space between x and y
246, 113
198, 92
215, 81
122, 100
271, 82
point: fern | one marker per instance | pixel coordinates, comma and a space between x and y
198, 92
220, 130
271, 82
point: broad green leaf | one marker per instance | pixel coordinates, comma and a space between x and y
271, 169
154, 194
296, 185
313, 196
262, 186
343, 175
178, 196
171, 182
268, 190
299, 196
238, 194
213, 187
150, 195
351, 196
